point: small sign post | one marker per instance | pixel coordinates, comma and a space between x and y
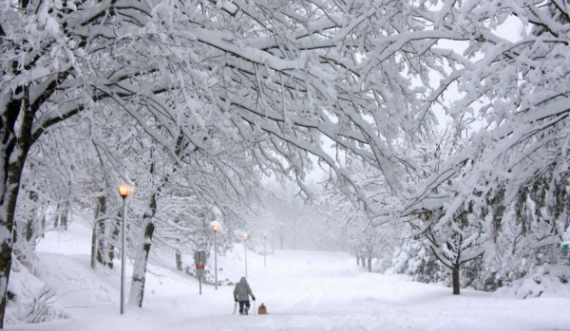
200, 262
565, 245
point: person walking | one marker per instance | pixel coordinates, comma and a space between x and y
242, 291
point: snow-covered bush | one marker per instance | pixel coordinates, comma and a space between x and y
34, 301
413, 259
545, 281
209, 277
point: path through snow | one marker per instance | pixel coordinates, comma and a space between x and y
302, 290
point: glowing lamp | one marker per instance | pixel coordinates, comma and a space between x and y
215, 226
125, 190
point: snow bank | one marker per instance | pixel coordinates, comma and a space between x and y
303, 290
32, 300
545, 281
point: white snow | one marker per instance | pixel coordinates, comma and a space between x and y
545, 281
302, 291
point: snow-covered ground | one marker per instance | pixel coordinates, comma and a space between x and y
302, 291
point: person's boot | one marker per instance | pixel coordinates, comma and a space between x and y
246, 310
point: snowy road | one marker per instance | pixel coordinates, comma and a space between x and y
320, 291
302, 290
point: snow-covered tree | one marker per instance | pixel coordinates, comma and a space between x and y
274, 77
516, 92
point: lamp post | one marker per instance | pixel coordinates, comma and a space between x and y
124, 192
264, 250
215, 226
245, 238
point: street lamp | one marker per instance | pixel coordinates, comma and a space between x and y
245, 239
124, 192
215, 226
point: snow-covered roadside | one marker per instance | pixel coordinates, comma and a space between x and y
545, 281
302, 290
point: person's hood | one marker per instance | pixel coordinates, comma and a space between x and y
243, 280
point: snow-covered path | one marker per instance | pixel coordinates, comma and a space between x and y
302, 290
326, 291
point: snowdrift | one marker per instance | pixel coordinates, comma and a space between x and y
546, 281
31, 300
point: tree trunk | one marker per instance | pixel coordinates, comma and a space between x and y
8, 198
139, 270
31, 231
43, 224
178, 260
100, 210
13, 152
31, 224
65, 216
110, 246
56, 220
456, 282
358, 260
29, 244
101, 245
369, 264
94, 245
